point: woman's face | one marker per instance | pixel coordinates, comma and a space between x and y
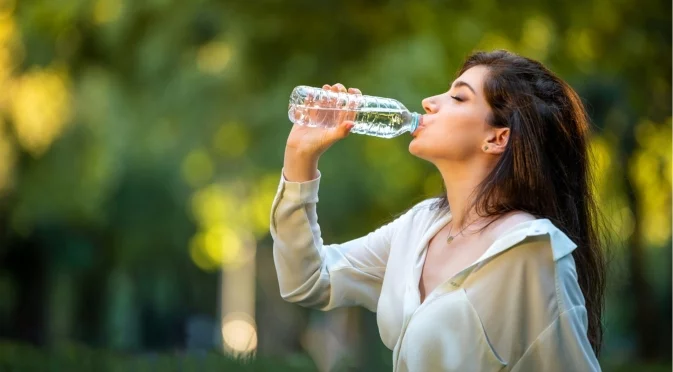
455, 125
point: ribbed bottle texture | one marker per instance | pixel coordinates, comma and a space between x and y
374, 116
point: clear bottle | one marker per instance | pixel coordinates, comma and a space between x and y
374, 116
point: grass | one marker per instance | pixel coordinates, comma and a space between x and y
73, 357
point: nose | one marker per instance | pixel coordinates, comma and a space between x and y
429, 105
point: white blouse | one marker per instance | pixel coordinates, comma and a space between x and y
517, 308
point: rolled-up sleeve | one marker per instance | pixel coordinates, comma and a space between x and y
563, 346
323, 276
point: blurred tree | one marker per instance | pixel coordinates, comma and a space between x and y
138, 138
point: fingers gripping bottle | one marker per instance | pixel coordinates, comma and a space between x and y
374, 116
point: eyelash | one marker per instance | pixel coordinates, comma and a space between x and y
457, 98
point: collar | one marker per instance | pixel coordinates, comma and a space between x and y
561, 244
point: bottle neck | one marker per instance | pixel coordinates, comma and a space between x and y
415, 121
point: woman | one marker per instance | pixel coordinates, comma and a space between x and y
503, 272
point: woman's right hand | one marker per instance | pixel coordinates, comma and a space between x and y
311, 142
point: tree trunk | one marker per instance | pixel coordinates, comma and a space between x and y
26, 266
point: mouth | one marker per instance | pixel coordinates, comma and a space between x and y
420, 126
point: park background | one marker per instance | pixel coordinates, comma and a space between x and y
141, 144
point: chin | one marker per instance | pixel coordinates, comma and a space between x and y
416, 148
420, 150
412, 147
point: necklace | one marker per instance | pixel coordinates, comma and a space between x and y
451, 237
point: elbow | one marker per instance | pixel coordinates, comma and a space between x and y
311, 294
295, 298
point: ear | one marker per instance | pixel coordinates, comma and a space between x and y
496, 142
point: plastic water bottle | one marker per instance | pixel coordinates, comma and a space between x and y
374, 116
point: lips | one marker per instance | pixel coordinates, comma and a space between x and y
420, 126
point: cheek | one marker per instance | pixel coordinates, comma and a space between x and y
454, 135
464, 129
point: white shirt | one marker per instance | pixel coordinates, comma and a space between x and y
516, 308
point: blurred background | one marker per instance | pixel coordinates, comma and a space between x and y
141, 144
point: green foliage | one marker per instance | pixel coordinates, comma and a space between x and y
138, 137
71, 357
26, 358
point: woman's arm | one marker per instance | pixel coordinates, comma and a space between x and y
324, 276
310, 273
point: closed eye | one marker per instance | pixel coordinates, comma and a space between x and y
457, 98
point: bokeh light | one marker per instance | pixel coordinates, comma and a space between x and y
40, 108
141, 147
8, 156
650, 171
107, 11
213, 57
239, 333
197, 168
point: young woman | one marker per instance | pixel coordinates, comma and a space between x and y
503, 272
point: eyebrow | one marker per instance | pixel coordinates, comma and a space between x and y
461, 83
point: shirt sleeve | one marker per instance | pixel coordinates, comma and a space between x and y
322, 276
563, 346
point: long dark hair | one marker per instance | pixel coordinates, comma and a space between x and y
545, 168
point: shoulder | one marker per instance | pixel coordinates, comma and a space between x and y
417, 217
544, 252
428, 211
521, 229
427, 204
531, 247
508, 222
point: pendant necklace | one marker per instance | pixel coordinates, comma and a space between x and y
451, 237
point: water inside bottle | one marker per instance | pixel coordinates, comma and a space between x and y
381, 123
385, 123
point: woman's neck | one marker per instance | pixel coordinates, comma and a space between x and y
461, 182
